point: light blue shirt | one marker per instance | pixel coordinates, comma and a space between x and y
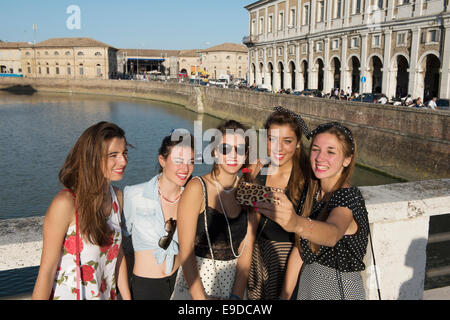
144, 221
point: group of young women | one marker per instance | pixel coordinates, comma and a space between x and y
191, 238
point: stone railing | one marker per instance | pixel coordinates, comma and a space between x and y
399, 219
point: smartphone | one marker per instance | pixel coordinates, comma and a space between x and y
247, 193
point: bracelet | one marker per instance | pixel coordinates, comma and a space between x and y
233, 296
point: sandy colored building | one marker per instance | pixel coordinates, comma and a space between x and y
72, 58
394, 47
10, 57
225, 59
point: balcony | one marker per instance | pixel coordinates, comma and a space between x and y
249, 41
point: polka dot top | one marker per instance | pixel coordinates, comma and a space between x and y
347, 255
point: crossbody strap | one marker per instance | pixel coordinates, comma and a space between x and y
77, 244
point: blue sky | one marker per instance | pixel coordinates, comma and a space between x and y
149, 24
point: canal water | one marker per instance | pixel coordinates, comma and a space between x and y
38, 130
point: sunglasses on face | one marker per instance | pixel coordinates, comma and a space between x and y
170, 226
226, 148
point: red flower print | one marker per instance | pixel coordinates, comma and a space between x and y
115, 207
87, 273
113, 294
246, 170
113, 252
103, 286
70, 245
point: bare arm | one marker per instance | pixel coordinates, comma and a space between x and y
326, 233
294, 265
245, 260
60, 215
121, 266
188, 210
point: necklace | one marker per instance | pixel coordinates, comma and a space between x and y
167, 200
228, 224
229, 190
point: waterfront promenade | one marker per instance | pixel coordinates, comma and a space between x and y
408, 143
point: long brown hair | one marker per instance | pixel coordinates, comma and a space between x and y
345, 137
82, 173
300, 164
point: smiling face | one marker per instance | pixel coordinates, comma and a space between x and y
231, 153
282, 144
116, 159
179, 164
327, 157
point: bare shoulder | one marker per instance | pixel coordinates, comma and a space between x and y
192, 195
61, 210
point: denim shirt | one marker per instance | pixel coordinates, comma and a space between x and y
144, 221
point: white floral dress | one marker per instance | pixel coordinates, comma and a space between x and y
98, 264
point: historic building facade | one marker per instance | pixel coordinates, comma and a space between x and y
10, 57
226, 59
395, 47
69, 58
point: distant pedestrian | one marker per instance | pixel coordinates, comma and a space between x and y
432, 104
82, 256
419, 103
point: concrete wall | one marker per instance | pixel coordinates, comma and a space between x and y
409, 143
398, 215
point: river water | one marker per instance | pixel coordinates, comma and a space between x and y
38, 130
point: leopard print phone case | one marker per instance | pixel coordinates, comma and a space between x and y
247, 193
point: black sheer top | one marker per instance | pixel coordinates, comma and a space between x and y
270, 230
218, 232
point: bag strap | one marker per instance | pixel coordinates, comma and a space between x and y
205, 199
77, 244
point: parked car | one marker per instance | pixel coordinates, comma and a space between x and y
312, 93
222, 83
368, 97
443, 104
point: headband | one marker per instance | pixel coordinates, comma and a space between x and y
300, 122
325, 126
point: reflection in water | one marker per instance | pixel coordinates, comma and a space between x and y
37, 132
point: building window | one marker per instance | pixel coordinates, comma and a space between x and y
335, 44
376, 41
280, 51
81, 70
292, 20
380, 4
57, 69
56, 53
281, 20
401, 38
305, 18
261, 25
269, 52
99, 70
270, 24
28, 67
80, 53
433, 36
67, 53
291, 50
68, 70
356, 8
40, 70
48, 69
253, 31
337, 9
46, 53
320, 11
27, 53
319, 46
304, 48
354, 43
